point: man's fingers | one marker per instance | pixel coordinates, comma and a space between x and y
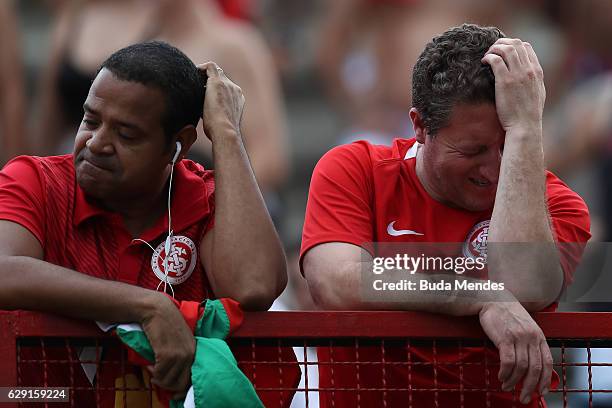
175, 379
172, 373
214, 71
533, 57
520, 366
497, 64
173, 344
211, 68
159, 373
168, 378
506, 363
161, 366
204, 66
533, 373
547, 368
508, 53
519, 47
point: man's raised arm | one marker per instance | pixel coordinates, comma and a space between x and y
243, 256
520, 213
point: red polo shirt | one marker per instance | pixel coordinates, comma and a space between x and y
361, 193
42, 195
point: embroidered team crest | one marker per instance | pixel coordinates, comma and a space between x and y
181, 261
475, 245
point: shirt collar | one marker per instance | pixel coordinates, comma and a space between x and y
412, 151
191, 192
189, 200
83, 208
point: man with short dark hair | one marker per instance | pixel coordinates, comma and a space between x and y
474, 175
93, 234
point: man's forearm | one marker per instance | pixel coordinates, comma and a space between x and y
520, 215
346, 291
33, 284
249, 261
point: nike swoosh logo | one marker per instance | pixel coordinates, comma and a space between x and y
396, 233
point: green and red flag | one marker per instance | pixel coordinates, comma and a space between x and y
217, 381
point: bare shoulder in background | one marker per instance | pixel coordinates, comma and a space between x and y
12, 93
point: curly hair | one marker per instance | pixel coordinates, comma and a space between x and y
449, 71
165, 67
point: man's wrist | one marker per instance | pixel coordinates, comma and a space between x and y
151, 303
496, 298
525, 132
224, 132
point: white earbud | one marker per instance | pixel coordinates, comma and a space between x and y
179, 147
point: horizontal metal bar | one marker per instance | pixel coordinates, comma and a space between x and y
365, 324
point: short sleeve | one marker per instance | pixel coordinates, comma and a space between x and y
340, 199
570, 222
22, 196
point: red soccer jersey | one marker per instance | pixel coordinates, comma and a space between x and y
362, 193
42, 195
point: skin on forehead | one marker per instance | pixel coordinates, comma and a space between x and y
127, 101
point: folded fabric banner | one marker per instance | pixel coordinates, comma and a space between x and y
217, 382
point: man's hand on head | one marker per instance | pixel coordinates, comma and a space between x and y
224, 103
524, 353
173, 344
521, 211
519, 84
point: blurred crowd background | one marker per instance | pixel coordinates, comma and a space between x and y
315, 74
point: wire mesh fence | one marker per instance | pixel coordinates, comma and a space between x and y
345, 359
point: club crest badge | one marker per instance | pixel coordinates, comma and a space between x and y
475, 245
181, 260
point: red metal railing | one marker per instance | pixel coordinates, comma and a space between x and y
384, 366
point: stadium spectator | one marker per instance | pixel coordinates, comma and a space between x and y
476, 95
93, 234
86, 32
12, 93
365, 47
